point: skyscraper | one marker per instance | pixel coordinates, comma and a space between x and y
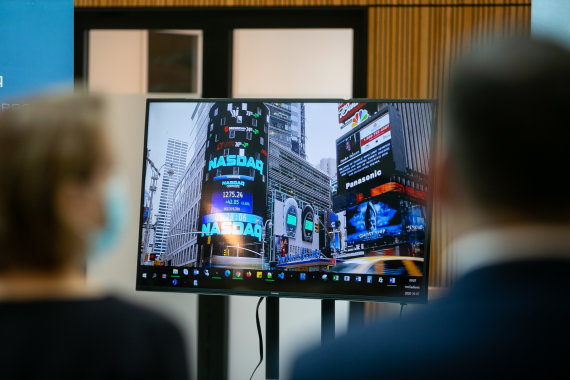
287, 126
175, 163
328, 165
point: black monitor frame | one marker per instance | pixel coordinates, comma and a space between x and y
276, 292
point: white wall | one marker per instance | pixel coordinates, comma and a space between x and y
117, 61
292, 63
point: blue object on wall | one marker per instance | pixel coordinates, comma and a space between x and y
549, 19
36, 47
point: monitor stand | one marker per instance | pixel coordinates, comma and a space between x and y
272, 332
213, 334
327, 321
272, 338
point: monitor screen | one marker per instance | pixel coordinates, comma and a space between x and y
302, 198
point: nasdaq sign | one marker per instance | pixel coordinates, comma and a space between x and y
234, 192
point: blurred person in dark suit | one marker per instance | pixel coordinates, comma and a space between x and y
503, 181
57, 205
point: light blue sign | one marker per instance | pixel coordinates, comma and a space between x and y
36, 47
238, 224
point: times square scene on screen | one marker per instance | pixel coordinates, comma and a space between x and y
292, 192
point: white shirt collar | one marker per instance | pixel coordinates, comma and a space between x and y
494, 246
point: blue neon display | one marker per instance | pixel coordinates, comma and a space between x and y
235, 160
371, 221
232, 201
236, 224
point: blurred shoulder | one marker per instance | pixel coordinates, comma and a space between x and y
120, 309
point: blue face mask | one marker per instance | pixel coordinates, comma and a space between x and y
104, 239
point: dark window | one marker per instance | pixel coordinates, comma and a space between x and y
172, 62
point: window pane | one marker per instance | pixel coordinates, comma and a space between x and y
172, 62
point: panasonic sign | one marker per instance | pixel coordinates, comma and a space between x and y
368, 177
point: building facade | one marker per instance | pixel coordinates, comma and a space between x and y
287, 126
328, 165
182, 248
175, 162
291, 176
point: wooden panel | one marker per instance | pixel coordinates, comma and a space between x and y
411, 49
286, 3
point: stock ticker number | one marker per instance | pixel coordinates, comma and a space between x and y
232, 194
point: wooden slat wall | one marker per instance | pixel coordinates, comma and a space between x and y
412, 45
288, 3
411, 49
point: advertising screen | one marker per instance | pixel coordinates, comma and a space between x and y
282, 245
234, 186
238, 198
371, 151
373, 220
291, 220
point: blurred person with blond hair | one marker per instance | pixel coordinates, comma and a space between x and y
502, 180
57, 207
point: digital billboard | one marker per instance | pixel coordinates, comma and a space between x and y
234, 192
373, 220
371, 152
351, 115
282, 246
307, 216
291, 218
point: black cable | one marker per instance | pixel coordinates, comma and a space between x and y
401, 309
259, 335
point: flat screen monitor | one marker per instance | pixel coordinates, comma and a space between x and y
301, 198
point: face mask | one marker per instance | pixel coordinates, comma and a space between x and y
108, 235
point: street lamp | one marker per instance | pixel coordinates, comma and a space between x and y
268, 224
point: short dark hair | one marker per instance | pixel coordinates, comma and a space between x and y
42, 145
508, 110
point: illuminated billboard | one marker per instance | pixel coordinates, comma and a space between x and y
307, 216
281, 246
369, 155
373, 220
290, 207
394, 217
234, 192
351, 115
